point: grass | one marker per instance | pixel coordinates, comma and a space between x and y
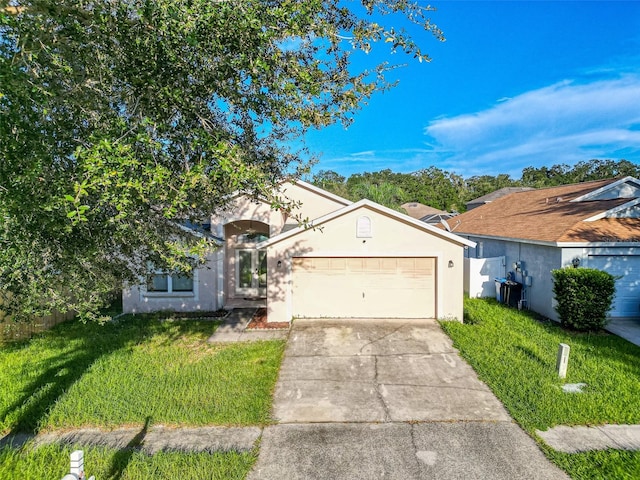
140, 368
515, 354
52, 461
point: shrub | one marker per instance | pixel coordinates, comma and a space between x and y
584, 296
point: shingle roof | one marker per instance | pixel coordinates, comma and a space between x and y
419, 210
548, 215
490, 197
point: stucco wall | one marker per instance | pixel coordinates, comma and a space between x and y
537, 262
389, 238
204, 297
315, 203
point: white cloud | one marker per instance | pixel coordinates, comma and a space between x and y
562, 123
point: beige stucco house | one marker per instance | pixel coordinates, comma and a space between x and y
358, 260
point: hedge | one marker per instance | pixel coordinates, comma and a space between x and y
583, 296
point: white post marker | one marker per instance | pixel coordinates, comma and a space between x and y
563, 360
77, 463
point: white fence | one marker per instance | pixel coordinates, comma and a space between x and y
480, 275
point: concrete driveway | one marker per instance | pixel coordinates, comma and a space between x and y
388, 399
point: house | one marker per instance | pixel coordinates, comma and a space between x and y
351, 260
490, 197
592, 224
425, 213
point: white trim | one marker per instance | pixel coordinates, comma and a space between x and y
375, 207
604, 214
598, 191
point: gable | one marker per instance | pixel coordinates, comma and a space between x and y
367, 224
627, 187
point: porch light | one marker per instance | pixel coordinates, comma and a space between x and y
279, 264
575, 262
450, 263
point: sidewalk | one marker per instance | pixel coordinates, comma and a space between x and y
583, 439
156, 439
234, 329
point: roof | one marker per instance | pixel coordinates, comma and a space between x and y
578, 213
419, 210
373, 206
490, 197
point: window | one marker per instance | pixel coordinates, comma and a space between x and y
165, 283
245, 238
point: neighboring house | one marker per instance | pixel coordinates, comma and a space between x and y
591, 224
425, 213
354, 260
493, 196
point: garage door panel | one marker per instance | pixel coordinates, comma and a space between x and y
627, 270
365, 287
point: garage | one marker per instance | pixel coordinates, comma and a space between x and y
364, 287
626, 269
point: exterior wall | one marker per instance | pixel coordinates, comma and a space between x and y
389, 238
537, 262
137, 300
243, 208
315, 203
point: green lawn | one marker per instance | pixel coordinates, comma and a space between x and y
141, 370
52, 462
142, 367
515, 354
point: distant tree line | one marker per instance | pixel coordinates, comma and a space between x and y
449, 191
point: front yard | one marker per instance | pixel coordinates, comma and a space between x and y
141, 370
515, 354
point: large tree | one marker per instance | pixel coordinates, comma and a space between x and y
120, 120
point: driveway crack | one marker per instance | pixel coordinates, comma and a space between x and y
378, 387
382, 337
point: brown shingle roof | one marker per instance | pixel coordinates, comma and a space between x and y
490, 197
549, 215
419, 210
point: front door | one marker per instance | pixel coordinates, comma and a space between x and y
251, 273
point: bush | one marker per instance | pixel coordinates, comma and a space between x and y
584, 297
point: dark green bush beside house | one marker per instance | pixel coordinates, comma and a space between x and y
583, 296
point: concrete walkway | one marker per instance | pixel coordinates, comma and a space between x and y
156, 439
626, 328
234, 329
583, 439
394, 400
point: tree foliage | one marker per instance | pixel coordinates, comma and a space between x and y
450, 192
121, 120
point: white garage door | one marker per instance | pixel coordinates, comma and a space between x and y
369, 287
627, 267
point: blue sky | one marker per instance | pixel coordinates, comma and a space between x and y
516, 84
